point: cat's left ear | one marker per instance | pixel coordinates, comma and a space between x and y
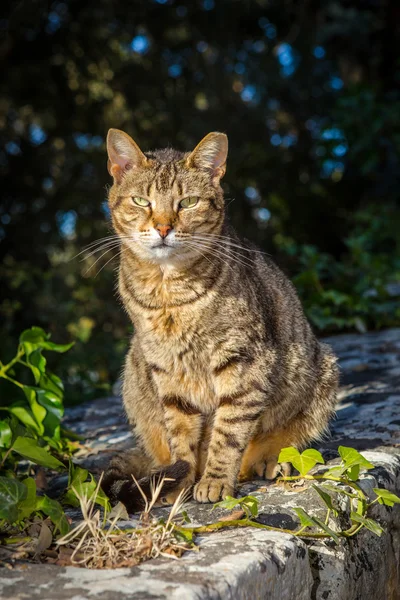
210, 155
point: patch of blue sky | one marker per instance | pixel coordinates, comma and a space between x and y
288, 59
289, 140
85, 141
332, 133
340, 150
329, 166
208, 4
140, 44
276, 139
53, 22
319, 52
13, 148
202, 46
106, 209
175, 70
249, 93
259, 46
240, 68
262, 214
66, 222
270, 31
37, 135
48, 183
335, 82
268, 27
252, 194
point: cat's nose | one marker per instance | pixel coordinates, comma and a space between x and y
163, 229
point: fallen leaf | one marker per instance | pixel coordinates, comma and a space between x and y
118, 512
41, 480
44, 540
233, 516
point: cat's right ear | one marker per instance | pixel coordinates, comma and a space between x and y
123, 154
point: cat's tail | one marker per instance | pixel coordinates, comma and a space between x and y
119, 485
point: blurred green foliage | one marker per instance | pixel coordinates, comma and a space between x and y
308, 92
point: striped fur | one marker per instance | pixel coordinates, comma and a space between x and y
223, 368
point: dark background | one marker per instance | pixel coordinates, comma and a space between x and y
308, 93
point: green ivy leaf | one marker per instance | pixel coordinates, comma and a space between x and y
302, 462
352, 457
182, 534
76, 474
368, 523
53, 509
5, 434
12, 492
305, 519
76, 478
326, 498
352, 461
186, 517
52, 383
386, 497
248, 503
34, 338
79, 487
36, 362
54, 413
27, 506
57, 347
327, 529
25, 415
38, 411
34, 335
353, 473
28, 448
338, 490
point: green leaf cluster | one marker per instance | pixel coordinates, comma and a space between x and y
346, 473
30, 434
18, 502
248, 503
39, 407
81, 484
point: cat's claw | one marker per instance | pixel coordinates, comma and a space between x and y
212, 490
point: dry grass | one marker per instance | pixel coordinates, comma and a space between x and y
98, 543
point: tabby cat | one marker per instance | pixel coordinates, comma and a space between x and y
223, 369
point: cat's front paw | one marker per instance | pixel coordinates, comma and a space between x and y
212, 490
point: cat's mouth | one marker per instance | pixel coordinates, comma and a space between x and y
162, 244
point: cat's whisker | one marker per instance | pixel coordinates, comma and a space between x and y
112, 258
233, 255
228, 246
218, 253
99, 242
97, 260
108, 246
228, 240
217, 257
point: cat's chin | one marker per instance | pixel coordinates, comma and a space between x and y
165, 254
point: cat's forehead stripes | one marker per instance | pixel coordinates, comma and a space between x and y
167, 179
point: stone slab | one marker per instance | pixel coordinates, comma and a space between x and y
251, 564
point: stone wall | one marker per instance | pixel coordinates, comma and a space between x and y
250, 564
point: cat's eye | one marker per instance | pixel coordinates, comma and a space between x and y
188, 202
140, 201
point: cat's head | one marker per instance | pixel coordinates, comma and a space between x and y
166, 205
